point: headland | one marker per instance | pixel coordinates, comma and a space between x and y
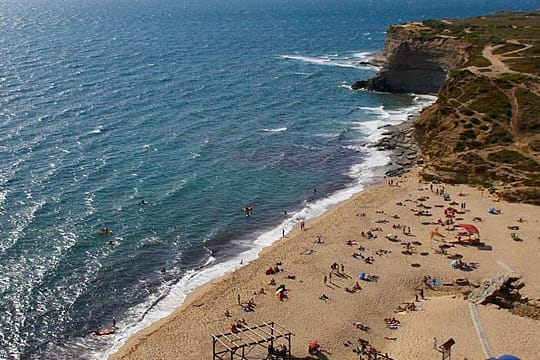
402, 266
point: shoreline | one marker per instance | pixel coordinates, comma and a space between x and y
386, 144
373, 168
330, 321
205, 305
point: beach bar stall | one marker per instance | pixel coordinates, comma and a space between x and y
241, 343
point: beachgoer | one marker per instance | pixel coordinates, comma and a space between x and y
227, 313
325, 279
239, 303
283, 232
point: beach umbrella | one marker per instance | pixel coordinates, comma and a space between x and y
280, 288
471, 229
507, 357
313, 345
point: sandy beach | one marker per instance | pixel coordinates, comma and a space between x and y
399, 216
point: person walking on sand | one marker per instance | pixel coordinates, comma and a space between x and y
239, 302
325, 279
283, 232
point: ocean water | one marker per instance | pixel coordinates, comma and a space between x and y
199, 107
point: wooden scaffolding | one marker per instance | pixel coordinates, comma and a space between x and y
238, 345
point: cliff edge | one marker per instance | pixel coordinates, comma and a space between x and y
485, 126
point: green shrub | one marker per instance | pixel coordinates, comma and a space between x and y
476, 145
506, 157
460, 146
467, 134
499, 136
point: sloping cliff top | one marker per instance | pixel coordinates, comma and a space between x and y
485, 126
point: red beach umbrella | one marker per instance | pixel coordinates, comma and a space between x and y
313, 345
471, 229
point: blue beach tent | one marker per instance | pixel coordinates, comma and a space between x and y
505, 357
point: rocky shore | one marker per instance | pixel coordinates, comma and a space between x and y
484, 128
405, 151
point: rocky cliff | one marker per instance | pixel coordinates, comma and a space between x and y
485, 126
416, 63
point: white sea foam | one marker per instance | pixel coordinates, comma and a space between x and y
20, 222
364, 55
281, 129
89, 198
327, 61
97, 130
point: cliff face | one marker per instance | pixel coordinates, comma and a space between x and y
415, 63
485, 126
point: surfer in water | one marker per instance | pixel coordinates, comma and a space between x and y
248, 210
104, 231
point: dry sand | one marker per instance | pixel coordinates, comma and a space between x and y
185, 334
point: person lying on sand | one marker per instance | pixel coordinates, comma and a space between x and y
361, 326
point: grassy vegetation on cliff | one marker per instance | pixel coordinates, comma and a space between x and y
485, 126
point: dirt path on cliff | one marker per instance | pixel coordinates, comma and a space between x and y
498, 67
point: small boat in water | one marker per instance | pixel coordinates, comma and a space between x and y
104, 231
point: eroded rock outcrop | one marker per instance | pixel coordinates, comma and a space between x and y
415, 63
485, 126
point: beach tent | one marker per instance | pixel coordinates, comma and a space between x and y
471, 229
313, 346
